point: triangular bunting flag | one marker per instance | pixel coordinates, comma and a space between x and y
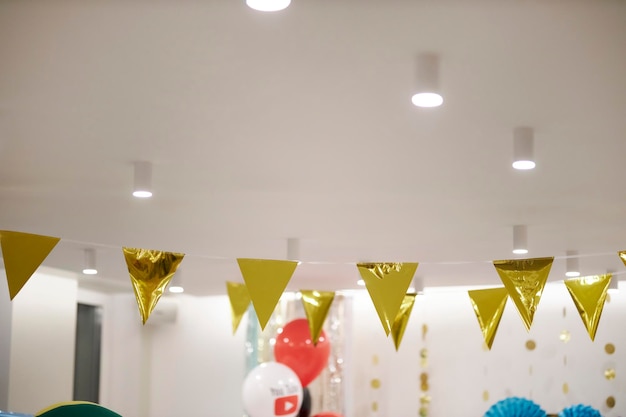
589, 295
239, 302
150, 272
23, 253
316, 305
387, 284
622, 255
266, 280
489, 305
524, 280
402, 318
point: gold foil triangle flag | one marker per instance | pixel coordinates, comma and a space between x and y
387, 284
489, 305
524, 280
622, 256
266, 280
402, 318
23, 253
239, 302
150, 272
589, 295
316, 305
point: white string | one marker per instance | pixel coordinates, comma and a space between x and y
225, 258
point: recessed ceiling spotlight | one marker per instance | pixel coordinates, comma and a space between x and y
572, 269
427, 92
520, 240
90, 262
523, 138
175, 285
143, 180
268, 5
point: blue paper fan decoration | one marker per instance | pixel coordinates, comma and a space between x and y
580, 410
515, 407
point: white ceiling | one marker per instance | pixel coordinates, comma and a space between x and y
299, 124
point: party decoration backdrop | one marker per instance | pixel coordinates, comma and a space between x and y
22, 254
589, 295
266, 280
150, 272
402, 319
316, 305
524, 280
239, 301
387, 284
488, 306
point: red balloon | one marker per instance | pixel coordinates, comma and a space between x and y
295, 349
328, 414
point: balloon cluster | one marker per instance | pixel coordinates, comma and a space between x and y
279, 389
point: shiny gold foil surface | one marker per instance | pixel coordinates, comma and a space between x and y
488, 306
387, 284
610, 402
609, 374
22, 254
381, 269
239, 302
524, 280
622, 255
609, 348
150, 272
402, 318
589, 294
316, 305
375, 383
266, 280
531, 345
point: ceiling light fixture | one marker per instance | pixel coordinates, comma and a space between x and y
361, 283
417, 287
143, 180
572, 269
520, 240
293, 249
90, 262
428, 94
614, 283
268, 5
523, 138
175, 285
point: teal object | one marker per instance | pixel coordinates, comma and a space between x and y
580, 410
515, 407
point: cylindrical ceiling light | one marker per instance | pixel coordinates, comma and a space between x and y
89, 268
293, 249
523, 144
176, 285
614, 283
142, 187
268, 5
520, 240
572, 268
427, 92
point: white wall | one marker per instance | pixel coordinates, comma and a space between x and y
195, 366
5, 342
460, 370
42, 342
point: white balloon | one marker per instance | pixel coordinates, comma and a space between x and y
272, 390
